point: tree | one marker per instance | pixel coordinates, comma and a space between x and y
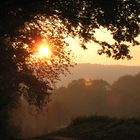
125, 92
83, 97
22, 72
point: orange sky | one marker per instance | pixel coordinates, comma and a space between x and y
90, 55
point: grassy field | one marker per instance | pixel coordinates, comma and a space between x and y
102, 128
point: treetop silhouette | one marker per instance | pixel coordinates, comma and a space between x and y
81, 18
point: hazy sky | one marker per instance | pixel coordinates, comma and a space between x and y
91, 56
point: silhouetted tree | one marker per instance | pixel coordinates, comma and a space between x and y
81, 18
22, 73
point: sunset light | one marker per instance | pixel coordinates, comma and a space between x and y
44, 51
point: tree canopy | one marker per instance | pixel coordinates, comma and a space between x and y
80, 18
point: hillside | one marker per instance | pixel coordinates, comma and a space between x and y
101, 128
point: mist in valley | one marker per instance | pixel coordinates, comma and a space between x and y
82, 97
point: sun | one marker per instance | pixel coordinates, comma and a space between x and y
44, 51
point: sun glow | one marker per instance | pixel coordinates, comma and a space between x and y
44, 51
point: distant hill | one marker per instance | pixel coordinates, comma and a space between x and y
110, 73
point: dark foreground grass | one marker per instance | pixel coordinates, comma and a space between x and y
102, 128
